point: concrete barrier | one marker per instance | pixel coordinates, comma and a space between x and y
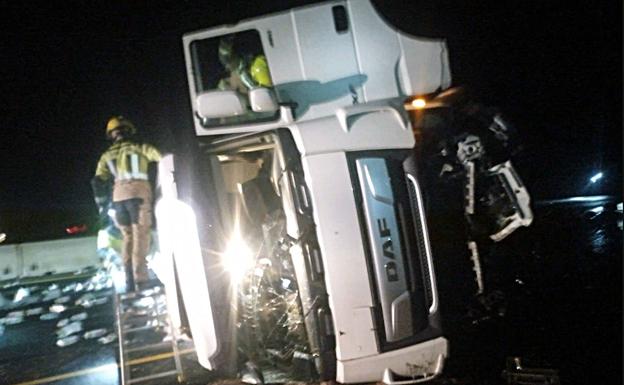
47, 257
10, 262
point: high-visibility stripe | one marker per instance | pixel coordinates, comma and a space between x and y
127, 161
111, 166
134, 161
131, 176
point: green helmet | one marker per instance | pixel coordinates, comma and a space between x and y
260, 71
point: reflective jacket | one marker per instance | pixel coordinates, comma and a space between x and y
126, 163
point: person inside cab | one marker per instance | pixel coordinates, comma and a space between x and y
244, 72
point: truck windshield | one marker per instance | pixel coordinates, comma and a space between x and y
231, 62
250, 181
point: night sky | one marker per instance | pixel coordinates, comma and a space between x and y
553, 66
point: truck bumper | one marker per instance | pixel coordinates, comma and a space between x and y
408, 365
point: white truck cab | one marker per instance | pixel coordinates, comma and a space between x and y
297, 235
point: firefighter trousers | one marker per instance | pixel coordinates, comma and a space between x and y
134, 219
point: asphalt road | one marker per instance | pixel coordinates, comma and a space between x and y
28, 349
553, 299
63, 331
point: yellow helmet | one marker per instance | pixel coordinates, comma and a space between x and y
117, 122
260, 71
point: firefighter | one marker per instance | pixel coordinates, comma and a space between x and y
243, 74
123, 175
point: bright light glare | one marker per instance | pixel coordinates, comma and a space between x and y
596, 177
107, 374
237, 258
419, 103
102, 239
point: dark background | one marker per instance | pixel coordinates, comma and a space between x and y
553, 66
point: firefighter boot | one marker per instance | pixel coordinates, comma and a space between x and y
130, 286
126, 255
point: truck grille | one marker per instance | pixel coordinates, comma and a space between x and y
391, 223
421, 234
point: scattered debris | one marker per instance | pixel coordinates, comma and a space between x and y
32, 299
101, 280
79, 317
144, 302
107, 339
34, 311
151, 291
17, 313
516, 374
100, 301
58, 308
135, 312
53, 287
85, 300
251, 374
66, 341
96, 333
21, 293
88, 300
49, 316
157, 323
69, 329
13, 318
90, 286
49, 295
63, 299
70, 287
12, 321
3, 301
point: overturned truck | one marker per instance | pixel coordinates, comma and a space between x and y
294, 224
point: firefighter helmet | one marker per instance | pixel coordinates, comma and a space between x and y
119, 122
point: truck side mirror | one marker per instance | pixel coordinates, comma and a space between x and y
220, 104
262, 100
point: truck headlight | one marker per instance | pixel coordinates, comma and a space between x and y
237, 258
419, 103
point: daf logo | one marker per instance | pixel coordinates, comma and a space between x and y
388, 250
